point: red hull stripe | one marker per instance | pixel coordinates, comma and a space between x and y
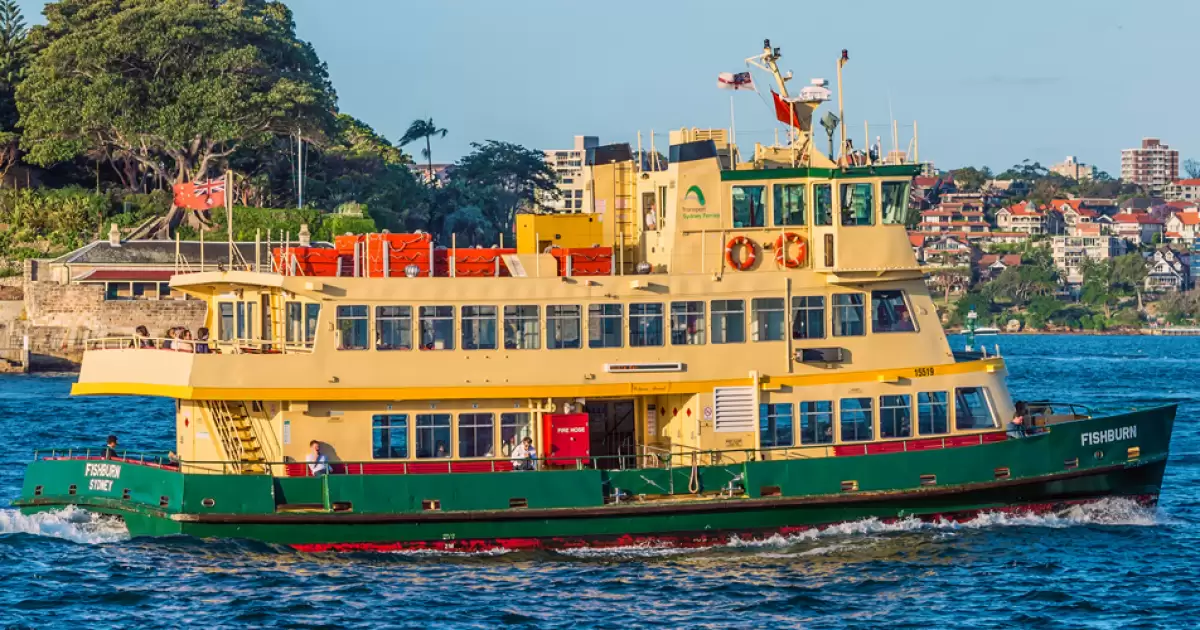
925, 444
683, 541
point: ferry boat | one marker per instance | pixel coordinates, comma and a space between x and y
717, 349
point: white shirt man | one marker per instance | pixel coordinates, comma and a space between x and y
524, 455
318, 464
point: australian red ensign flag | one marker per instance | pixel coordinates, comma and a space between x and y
738, 81
200, 195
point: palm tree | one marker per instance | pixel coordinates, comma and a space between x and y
423, 129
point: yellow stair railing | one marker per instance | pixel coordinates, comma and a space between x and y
236, 431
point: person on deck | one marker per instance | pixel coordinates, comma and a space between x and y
141, 338
318, 464
110, 447
184, 344
202, 341
1019, 425
524, 456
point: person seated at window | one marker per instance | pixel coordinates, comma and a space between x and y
524, 456
883, 318
904, 322
440, 450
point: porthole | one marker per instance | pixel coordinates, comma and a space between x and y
72, 489
208, 503
1098, 454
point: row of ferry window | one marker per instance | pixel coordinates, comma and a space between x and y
650, 324
790, 207
863, 419
437, 436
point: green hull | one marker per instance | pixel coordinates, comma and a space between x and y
1076, 461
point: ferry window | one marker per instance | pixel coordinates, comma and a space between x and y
514, 427
353, 327
476, 434
389, 437
437, 327
858, 204
789, 204
301, 327
479, 327
816, 422
890, 313
858, 419
225, 330
848, 315
522, 328
687, 323
562, 327
895, 202
245, 320
312, 312
728, 321
808, 317
823, 204
971, 409
393, 328
605, 329
775, 425
749, 206
645, 325
895, 416
767, 315
933, 417
433, 435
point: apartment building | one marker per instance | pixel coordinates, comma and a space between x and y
568, 166
1074, 169
1153, 165
1069, 252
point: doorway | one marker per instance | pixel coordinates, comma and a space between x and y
612, 426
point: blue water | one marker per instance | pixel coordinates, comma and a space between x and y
1112, 565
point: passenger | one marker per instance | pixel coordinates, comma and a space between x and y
202, 341
1019, 425
141, 338
905, 323
440, 450
170, 336
110, 447
524, 456
318, 464
185, 342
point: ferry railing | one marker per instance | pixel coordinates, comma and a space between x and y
215, 346
160, 459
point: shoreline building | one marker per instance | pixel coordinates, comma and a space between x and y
568, 167
1153, 165
1073, 169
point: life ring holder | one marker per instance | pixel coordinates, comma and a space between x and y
751, 253
781, 243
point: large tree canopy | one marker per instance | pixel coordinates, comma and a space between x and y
175, 86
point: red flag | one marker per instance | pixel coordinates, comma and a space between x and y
784, 111
201, 195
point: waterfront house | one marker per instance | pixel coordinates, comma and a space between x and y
990, 266
949, 265
954, 218
1138, 227
1167, 270
1029, 218
1183, 190
1069, 253
1182, 227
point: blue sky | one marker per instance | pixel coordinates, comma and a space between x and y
989, 83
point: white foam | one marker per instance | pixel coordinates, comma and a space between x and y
70, 523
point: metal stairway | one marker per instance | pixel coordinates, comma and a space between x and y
236, 432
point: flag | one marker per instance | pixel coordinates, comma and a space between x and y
201, 195
739, 81
785, 111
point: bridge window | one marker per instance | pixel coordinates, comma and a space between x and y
522, 328
775, 425
823, 204
645, 325
562, 327
789, 204
437, 327
816, 422
808, 317
393, 326
389, 436
749, 206
301, 326
476, 434
479, 327
433, 435
245, 320
514, 427
890, 312
933, 414
353, 327
858, 419
895, 202
225, 321
858, 204
687, 323
848, 315
895, 416
605, 326
728, 321
767, 315
971, 409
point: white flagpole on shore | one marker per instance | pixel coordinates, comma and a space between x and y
229, 213
732, 136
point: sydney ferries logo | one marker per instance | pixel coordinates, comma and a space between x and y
693, 206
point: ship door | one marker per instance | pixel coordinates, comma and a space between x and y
612, 426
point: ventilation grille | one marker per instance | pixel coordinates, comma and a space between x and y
734, 409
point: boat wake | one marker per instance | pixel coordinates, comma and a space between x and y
71, 524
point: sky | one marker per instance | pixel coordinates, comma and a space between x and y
989, 84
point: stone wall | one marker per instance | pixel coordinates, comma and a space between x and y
82, 312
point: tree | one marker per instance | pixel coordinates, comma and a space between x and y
13, 59
1105, 282
970, 179
423, 129
1192, 167
175, 86
502, 178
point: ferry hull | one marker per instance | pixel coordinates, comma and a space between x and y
1074, 463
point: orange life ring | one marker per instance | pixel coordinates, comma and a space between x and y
751, 253
781, 257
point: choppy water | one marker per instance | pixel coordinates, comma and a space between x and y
1101, 566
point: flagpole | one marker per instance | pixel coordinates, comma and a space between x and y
229, 215
732, 136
